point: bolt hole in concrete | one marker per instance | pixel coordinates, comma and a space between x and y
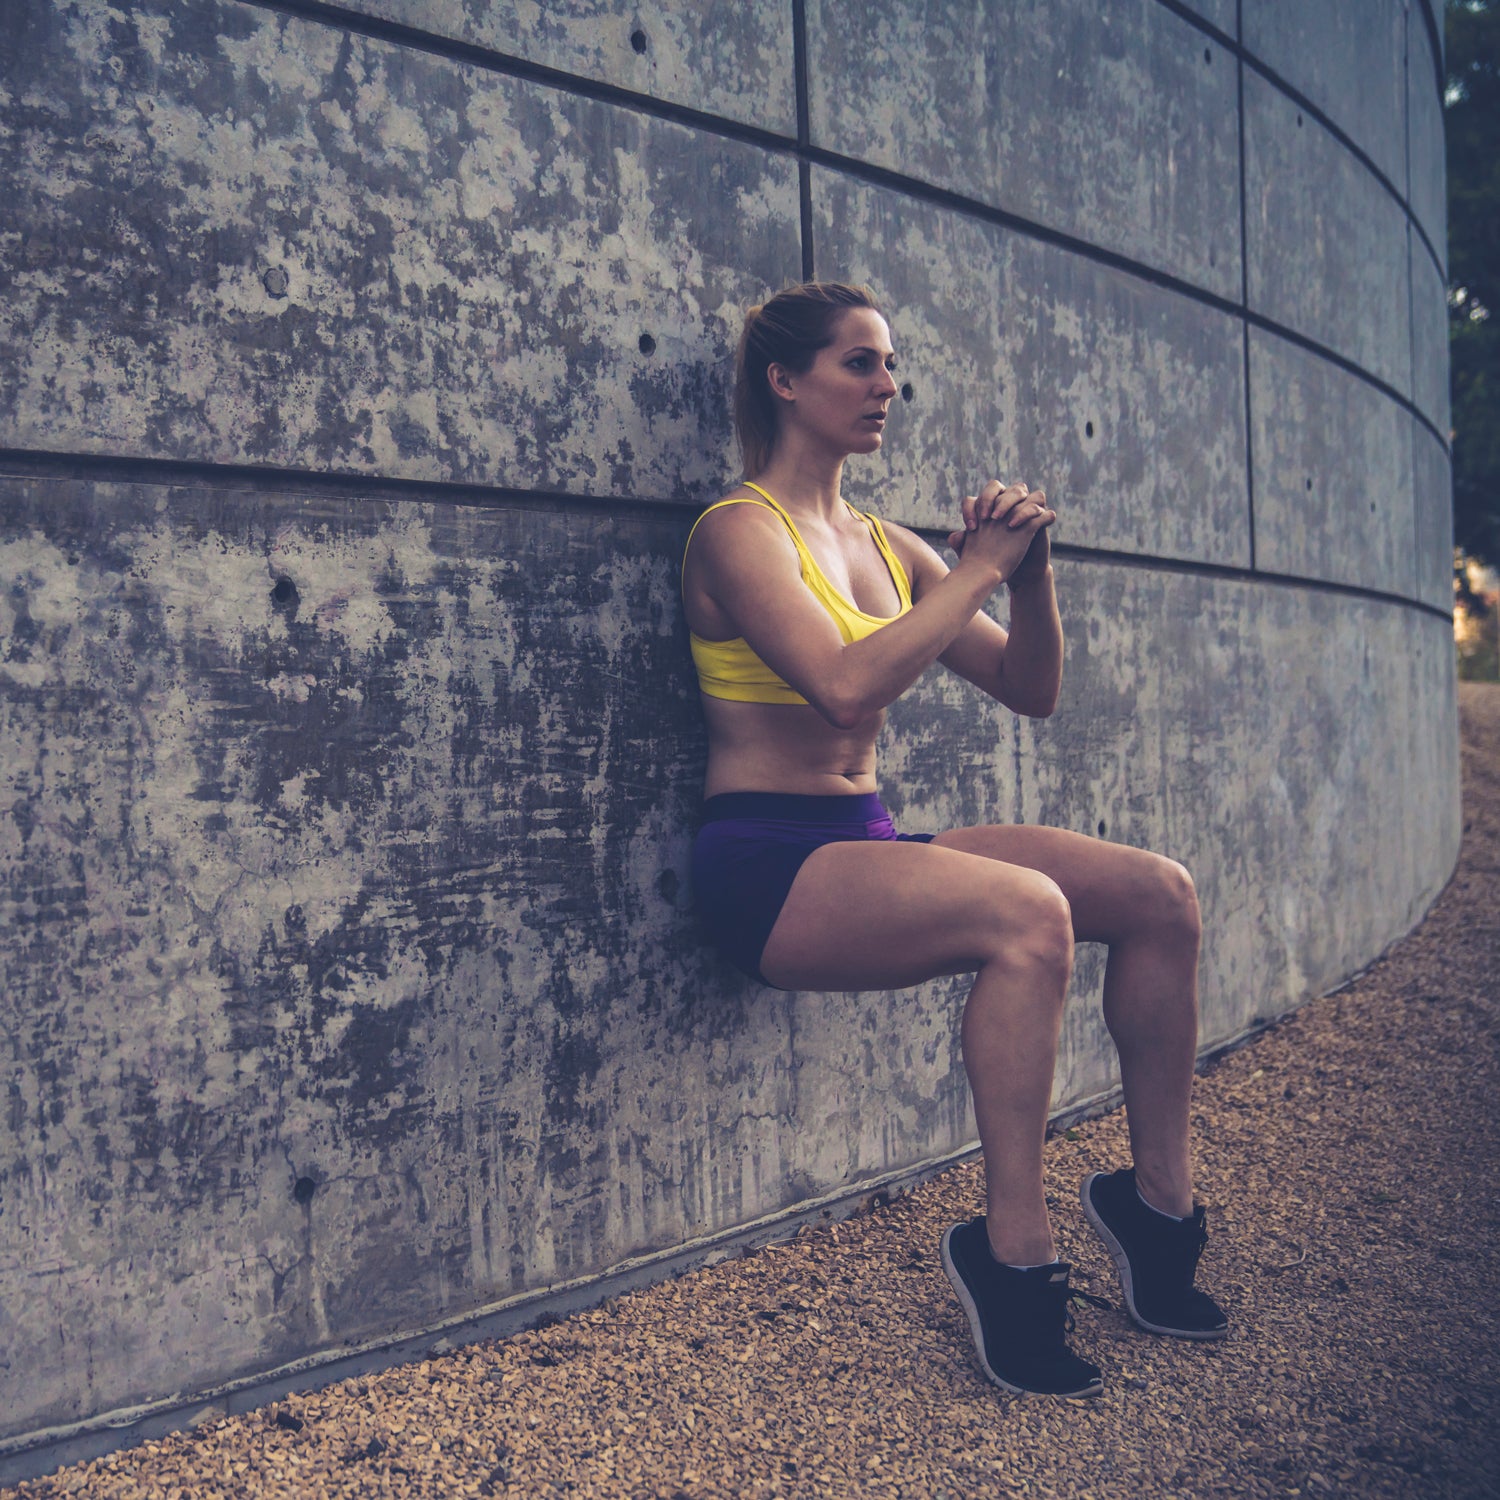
1088, 429
1101, 828
1299, 122
648, 344
667, 883
1208, 55
304, 1190
285, 592
638, 40
1309, 486
276, 282
907, 392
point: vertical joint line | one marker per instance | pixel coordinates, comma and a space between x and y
804, 136
1239, 36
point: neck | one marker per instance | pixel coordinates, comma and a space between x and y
805, 479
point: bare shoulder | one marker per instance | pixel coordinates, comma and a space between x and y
728, 532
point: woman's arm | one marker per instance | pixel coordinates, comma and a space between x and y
745, 572
1022, 667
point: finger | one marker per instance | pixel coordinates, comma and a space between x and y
1023, 511
989, 496
956, 541
968, 510
1038, 519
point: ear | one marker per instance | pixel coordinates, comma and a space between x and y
779, 378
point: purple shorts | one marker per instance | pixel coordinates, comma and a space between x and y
748, 852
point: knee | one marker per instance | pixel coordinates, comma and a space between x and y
1036, 930
1175, 901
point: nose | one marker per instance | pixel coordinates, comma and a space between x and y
885, 386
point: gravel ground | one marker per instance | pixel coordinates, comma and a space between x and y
1349, 1161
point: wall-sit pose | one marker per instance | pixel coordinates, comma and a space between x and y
808, 619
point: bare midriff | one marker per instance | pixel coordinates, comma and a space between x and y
786, 747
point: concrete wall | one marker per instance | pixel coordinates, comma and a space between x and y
358, 384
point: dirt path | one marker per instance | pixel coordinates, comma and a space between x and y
1350, 1159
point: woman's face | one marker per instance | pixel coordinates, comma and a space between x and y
844, 397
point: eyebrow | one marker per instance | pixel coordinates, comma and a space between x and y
869, 349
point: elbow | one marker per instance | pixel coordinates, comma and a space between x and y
845, 710
843, 716
1032, 705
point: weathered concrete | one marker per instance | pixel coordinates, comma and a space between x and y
1429, 337
350, 980
1127, 400
1115, 124
1346, 57
1333, 472
357, 981
1428, 193
1315, 253
1434, 517
732, 61
270, 299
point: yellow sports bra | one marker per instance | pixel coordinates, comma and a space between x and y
730, 669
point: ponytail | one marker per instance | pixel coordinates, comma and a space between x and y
787, 330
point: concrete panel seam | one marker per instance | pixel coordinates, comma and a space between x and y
297, 483
606, 93
510, 66
884, 177
1239, 575
1341, 136
507, 65
804, 137
1201, 23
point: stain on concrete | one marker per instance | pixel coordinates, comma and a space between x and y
731, 61
1314, 255
1115, 124
1320, 438
465, 262
1124, 400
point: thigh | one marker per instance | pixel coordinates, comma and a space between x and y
1112, 888
881, 914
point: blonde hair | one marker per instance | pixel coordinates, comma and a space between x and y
789, 329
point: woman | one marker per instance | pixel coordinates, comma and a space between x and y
808, 619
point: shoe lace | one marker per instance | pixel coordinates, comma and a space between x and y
1181, 1252
1075, 1295
1070, 1295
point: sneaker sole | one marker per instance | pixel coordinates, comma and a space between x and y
961, 1291
1122, 1265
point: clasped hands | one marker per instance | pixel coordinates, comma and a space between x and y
1006, 526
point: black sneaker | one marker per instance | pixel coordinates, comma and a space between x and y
1157, 1258
1018, 1318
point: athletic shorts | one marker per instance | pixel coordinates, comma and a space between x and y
749, 849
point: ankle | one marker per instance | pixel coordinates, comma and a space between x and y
1022, 1253
1173, 1202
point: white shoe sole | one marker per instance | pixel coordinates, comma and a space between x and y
976, 1328
1122, 1265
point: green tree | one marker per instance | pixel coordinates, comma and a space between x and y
1472, 111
